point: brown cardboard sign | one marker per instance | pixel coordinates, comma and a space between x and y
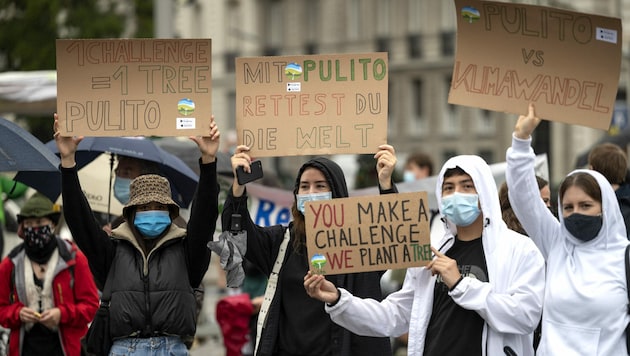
317, 104
132, 87
509, 55
368, 233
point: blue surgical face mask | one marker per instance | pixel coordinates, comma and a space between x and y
460, 208
409, 176
152, 223
121, 189
303, 198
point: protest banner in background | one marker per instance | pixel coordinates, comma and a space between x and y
509, 54
370, 233
319, 104
130, 87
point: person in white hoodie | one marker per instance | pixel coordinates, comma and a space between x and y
586, 303
481, 295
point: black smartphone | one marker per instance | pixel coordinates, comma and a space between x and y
256, 173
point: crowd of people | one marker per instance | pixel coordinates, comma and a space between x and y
508, 271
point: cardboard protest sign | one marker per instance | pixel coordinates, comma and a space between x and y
130, 87
369, 233
319, 104
509, 54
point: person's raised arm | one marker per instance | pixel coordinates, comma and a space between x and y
86, 231
520, 176
242, 158
66, 145
208, 144
385, 165
526, 124
205, 206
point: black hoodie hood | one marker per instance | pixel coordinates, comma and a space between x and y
333, 173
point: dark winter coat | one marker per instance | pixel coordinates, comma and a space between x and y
151, 294
291, 305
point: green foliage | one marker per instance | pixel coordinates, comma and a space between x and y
29, 28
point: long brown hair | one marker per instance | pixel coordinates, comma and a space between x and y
507, 212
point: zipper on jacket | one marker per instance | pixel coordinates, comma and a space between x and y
147, 308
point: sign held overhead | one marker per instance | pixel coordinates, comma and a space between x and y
509, 55
130, 87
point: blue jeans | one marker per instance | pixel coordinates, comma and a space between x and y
152, 346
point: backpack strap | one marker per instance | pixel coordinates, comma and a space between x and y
270, 291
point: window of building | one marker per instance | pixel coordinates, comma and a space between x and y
230, 100
447, 43
232, 40
418, 122
312, 20
414, 12
274, 27
484, 123
448, 26
414, 45
451, 122
354, 19
448, 154
487, 154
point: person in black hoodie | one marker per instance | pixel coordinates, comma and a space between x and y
150, 263
295, 323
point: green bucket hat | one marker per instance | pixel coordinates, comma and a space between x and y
37, 206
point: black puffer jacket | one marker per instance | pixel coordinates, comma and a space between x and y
162, 302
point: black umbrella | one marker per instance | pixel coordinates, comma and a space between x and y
21, 151
183, 180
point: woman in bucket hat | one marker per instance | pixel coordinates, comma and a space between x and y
151, 264
47, 293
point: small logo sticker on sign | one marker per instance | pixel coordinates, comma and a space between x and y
185, 123
294, 87
606, 35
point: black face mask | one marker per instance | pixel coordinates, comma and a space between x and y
583, 227
39, 243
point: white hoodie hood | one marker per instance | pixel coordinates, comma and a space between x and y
585, 310
487, 190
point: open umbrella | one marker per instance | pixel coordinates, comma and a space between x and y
96, 187
183, 180
21, 151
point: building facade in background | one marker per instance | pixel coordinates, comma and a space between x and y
419, 36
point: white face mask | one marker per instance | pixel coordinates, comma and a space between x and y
303, 198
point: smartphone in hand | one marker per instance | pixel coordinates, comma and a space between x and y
243, 177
